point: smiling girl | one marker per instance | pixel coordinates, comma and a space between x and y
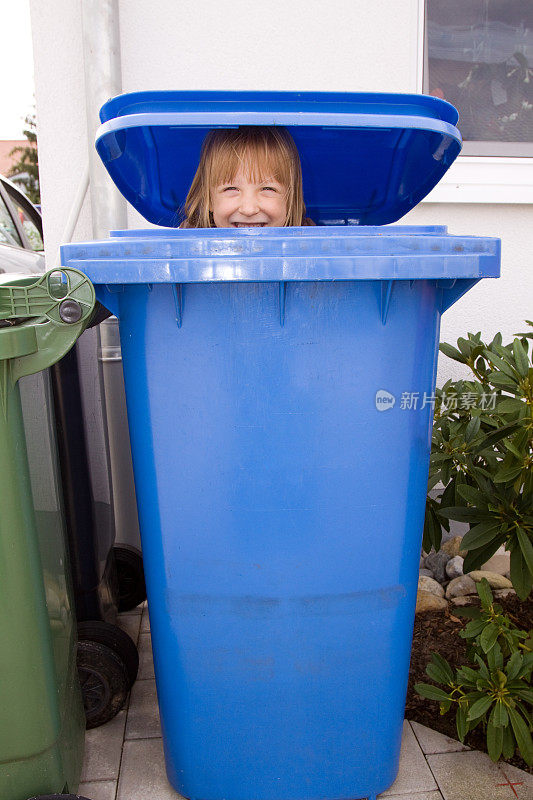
247, 177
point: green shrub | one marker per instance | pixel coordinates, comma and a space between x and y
482, 453
496, 691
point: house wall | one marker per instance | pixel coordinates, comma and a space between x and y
344, 45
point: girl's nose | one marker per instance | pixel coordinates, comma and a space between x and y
249, 205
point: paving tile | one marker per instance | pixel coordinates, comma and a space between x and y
143, 713
146, 661
98, 790
433, 742
470, 776
143, 775
436, 795
414, 774
145, 624
522, 781
131, 623
103, 748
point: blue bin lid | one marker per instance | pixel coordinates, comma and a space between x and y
367, 159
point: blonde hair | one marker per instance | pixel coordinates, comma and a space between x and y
262, 152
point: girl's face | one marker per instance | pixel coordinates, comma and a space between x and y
244, 203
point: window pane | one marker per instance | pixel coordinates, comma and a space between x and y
8, 232
30, 229
479, 56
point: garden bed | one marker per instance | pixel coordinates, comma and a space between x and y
436, 631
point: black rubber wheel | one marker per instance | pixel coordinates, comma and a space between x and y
58, 797
130, 573
104, 682
117, 640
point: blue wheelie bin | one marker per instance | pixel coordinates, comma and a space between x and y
279, 385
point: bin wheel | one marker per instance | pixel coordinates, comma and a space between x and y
116, 639
130, 573
104, 682
58, 797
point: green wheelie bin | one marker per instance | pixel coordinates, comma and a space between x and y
42, 722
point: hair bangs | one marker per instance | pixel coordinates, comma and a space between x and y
252, 155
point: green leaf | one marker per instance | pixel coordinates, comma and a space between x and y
509, 745
473, 495
479, 708
520, 357
464, 346
501, 381
526, 694
520, 575
526, 547
483, 671
512, 446
499, 714
509, 474
468, 675
473, 629
431, 692
451, 352
496, 436
494, 657
522, 735
475, 559
442, 668
484, 592
470, 612
511, 405
464, 514
513, 666
461, 723
501, 364
472, 429
494, 741
488, 637
480, 535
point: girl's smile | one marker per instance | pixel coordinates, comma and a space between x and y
246, 203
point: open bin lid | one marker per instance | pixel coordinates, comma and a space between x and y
367, 159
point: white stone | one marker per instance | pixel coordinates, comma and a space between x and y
503, 593
495, 581
460, 586
454, 567
425, 601
466, 600
453, 547
425, 572
426, 584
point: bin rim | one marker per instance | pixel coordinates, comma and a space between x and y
329, 253
368, 157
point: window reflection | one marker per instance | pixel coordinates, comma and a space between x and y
480, 58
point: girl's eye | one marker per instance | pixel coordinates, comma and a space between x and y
269, 189
229, 189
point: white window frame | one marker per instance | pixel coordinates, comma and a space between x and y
477, 179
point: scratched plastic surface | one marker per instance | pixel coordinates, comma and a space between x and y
281, 510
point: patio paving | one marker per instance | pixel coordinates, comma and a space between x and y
124, 759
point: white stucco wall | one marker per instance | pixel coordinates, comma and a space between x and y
345, 45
